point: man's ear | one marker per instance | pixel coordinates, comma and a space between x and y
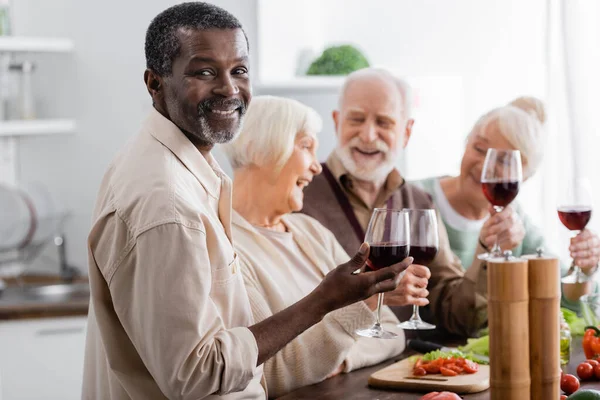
408, 132
336, 120
154, 85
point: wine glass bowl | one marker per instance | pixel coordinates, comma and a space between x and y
388, 237
424, 244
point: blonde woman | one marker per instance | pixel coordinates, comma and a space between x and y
285, 255
471, 222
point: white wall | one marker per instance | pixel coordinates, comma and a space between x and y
101, 86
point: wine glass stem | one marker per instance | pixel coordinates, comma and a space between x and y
415, 314
379, 304
496, 250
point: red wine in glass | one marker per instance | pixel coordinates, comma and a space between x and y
383, 255
501, 193
575, 218
423, 255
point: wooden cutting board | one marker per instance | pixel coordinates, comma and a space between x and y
400, 376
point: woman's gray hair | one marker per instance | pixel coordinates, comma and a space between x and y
520, 128
269, 130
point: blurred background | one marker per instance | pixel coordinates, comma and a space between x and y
85, 96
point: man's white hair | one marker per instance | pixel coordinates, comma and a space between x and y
270, 127
403, 87
520, 128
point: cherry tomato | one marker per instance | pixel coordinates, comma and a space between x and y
471, 367
419, 371
563, 397
569, 384
597, 371
448, 372
585, 371
593, 363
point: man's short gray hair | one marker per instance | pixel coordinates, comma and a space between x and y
403, 86
269, 131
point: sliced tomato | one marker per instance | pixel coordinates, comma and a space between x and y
455, 368
448, 372
419, 363
419, 372
471, 367
431, 368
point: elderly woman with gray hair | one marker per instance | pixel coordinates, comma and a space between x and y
284, 255
471, 222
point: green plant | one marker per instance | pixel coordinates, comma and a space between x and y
338, 60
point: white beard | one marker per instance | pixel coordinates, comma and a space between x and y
363, 172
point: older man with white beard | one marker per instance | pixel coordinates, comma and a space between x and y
373, 124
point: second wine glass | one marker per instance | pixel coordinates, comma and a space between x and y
424, 244
389, 242
501, 179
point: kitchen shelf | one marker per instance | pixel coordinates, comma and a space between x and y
23, 44
37, 127
302, 83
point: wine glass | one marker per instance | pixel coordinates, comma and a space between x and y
575, 211
389, 241
500, 180
424, 244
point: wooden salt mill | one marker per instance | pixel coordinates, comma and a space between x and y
544, 326
508, 321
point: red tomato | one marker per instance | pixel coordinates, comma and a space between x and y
569, 384
563, 397
593, 363
455, 368
597, 371
585, 371
429, 396
419, 371
431, 368
471, 367
448, 372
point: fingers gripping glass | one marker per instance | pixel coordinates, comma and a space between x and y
389, 240
424, 244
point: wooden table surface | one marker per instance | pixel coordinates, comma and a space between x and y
353, 386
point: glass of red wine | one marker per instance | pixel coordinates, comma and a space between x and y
424, 244
500, 180
575, 211
389, 241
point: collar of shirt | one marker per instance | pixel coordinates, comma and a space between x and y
205, 169
392, 183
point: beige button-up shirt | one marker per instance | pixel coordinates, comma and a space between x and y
169, 310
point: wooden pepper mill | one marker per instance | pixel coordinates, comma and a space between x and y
544, 326
508, 321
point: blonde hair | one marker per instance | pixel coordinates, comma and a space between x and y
520, 129
269, 130
532, 105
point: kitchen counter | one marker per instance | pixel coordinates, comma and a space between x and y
353, 386
16, 303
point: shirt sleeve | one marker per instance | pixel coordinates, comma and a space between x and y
458, 298
165, 293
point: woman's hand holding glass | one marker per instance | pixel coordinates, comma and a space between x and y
412, 290
504, 227
585, 250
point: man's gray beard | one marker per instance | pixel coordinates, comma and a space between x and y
212, 137
377, 175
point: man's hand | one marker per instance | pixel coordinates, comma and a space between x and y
585, 250
341, 287
506, 226
412, 289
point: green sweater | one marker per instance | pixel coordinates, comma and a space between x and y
464, 243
